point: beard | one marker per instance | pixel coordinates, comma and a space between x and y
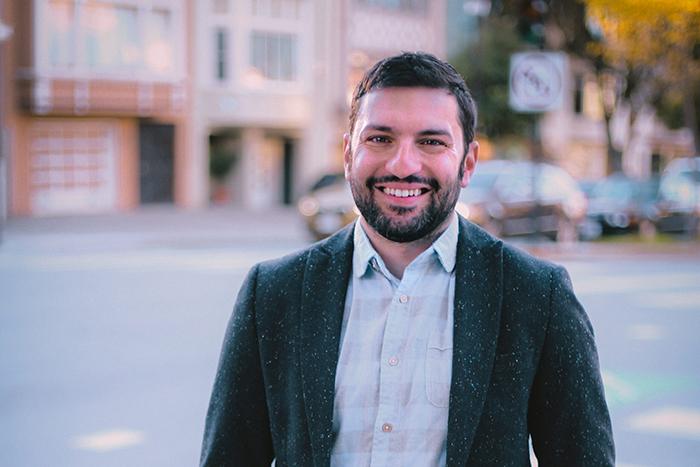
422, 225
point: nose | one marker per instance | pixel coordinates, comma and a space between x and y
406, 161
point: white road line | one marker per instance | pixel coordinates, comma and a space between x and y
108, 440
645, 332
677, 422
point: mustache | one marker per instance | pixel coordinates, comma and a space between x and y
431, 182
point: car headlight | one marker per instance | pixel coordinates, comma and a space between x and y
308, 206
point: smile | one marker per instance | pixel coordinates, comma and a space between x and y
403, 193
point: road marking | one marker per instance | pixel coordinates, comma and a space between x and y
108, 440
645, 332
679, 422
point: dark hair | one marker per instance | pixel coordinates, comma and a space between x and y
418, 69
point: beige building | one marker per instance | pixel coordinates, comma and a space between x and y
111, 104
273, 81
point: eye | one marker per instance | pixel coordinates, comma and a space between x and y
378, 139
433, 142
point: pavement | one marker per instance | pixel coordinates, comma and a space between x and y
221, 227
153, 226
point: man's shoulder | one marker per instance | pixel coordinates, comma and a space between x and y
513, 257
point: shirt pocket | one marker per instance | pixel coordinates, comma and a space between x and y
438, 369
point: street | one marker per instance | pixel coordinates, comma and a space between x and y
110, 329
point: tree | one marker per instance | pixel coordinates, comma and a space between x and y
655, 49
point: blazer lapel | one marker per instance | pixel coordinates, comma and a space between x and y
477, 310
323, 300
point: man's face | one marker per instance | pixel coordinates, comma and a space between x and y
403, 161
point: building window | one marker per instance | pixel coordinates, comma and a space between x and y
405, 5
61, 34
221, 54
277, 8
159, 37
109, 37
274, 55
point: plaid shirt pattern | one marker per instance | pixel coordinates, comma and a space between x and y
393, 377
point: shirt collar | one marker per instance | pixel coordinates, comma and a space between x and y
364, 254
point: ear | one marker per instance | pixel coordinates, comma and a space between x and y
347, 155
470, 160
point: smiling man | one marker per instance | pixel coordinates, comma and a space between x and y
412, 337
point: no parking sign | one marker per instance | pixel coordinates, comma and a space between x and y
536, 81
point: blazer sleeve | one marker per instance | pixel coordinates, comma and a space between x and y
568, 417
237, 431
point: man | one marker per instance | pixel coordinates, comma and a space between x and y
412, 337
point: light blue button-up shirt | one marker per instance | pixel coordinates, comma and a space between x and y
393, 377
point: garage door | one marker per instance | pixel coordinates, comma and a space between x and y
72, 168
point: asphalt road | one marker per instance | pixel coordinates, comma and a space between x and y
110, 329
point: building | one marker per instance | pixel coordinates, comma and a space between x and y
574, 136
95, 105
273, 84
112, 104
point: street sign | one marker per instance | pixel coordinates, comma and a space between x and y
536, 81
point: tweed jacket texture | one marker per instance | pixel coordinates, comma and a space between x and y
524, 363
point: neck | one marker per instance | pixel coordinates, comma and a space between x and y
397, 255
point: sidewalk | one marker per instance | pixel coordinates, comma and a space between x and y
221, 227
155, 226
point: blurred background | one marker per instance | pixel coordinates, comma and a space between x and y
152, 150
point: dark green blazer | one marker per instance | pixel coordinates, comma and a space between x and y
524, 362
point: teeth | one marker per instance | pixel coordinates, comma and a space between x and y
401, 193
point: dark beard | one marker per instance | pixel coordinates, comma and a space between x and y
442, 203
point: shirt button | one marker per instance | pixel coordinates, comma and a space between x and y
386, 428
403, 298
393, 361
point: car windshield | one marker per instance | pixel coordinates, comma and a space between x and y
614, 189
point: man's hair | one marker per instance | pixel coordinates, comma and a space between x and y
418, 69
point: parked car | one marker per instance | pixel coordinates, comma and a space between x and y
677, 208
618, 203
524, 198
507, 198
328, 206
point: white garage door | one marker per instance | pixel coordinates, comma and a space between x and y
72, 168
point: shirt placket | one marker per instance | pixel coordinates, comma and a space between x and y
387, 424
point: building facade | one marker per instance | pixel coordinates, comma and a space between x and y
273, 85
108, 105
95, 105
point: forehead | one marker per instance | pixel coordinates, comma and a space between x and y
408, 107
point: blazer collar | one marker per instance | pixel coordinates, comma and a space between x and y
324, 287
477, 311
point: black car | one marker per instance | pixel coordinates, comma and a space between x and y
677, 208
617, 204
524, 198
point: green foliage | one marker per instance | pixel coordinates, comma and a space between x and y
485, 66
220, 164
